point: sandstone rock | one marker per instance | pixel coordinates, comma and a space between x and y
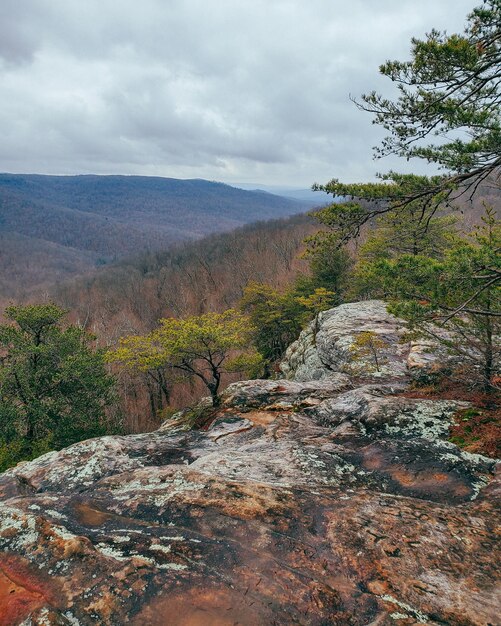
271, 516
427, 359
375, 410
332, 500
283, 394
317, 355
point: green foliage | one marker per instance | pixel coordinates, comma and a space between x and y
320, 300
369, 344
193, 417
449, 96
469, 413
450, 84
250, 362
399, 234
203, 346
329, 263
53, 385
403, 198
19, 449
448, 113
406, 232
394, 188
277, 319
455, 300
414, 229
478, 430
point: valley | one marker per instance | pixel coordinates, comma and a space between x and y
54, 227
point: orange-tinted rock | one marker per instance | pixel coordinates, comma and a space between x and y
22, 590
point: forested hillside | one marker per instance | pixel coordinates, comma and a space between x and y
57, 226
27, 262
175, 310
128, 297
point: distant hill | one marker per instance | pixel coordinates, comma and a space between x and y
314, 198
71, 223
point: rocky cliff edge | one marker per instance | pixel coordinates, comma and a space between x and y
327, 497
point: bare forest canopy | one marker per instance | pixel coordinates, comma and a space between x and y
192, 278
52, 227
210, 274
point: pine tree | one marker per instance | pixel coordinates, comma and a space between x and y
54, 387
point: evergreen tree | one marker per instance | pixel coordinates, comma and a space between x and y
278, 317
455, 300
54, 387
406, 232
447, 112
329, 264
449, 94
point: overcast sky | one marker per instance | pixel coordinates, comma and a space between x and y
230, 90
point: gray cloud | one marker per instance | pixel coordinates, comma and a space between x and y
235, 90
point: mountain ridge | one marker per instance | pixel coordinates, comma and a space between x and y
115, 216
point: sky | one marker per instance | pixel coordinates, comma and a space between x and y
229, 90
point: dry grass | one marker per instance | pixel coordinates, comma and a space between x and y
477, 429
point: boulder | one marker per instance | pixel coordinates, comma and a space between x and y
334, 507
329, 345
326, 346
283, 394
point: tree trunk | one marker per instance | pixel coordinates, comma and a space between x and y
213, 387
30, 429
488, 355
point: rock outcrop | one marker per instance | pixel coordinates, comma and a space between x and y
326, 346
322, 501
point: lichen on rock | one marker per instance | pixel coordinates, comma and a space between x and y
324, 498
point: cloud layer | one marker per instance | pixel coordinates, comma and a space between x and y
233, 90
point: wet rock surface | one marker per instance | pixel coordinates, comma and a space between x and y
318, 502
